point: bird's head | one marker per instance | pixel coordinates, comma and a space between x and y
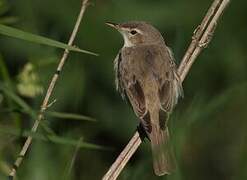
137, 33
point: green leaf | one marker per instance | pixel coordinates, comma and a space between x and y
19, 34
70, 165
8, 20
19, 101
63, 115
25, 108
4, 7
4, 72
51, 138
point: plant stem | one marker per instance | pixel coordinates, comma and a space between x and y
48, 93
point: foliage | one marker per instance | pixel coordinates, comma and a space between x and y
208, 127
16, 33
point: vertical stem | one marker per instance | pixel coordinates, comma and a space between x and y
49, 92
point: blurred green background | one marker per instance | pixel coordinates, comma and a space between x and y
208, 127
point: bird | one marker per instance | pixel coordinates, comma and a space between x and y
146, 75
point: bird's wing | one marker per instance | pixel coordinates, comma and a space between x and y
156, 61
128, 83
118, 82
164, 70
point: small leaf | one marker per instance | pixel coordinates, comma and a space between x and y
63, 115
19, 34
28, 81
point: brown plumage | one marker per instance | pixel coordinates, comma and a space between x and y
146, 75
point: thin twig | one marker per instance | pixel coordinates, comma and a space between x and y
202, 36
49, 92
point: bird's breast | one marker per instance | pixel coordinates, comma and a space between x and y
140, 58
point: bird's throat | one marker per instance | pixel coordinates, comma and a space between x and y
127, 42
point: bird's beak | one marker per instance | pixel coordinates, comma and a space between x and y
114, 25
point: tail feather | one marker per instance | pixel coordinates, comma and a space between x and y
163, 158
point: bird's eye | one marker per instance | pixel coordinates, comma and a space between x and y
133, 32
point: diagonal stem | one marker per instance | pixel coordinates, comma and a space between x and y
49, 92
123, 158
202, 36
197, 34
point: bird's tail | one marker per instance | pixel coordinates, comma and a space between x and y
163, 158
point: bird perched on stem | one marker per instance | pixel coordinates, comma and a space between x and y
146, 76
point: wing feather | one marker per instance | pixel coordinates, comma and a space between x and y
156, 61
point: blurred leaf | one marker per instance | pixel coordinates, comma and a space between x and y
4, 7
19, 34
199, 111
70, 165
7, 80
63, 115
51, 138
29, 83
216, 103
25, 108
8, 20
4, 72
1, 98
4, 168
18, 101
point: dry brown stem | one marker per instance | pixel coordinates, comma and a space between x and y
202, 36
48, 93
